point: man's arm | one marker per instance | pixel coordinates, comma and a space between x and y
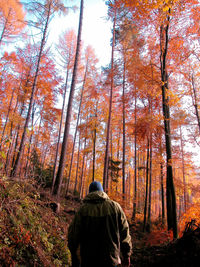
125, 239
74, 238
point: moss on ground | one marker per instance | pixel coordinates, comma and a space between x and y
31, 234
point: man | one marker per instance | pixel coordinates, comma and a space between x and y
101, 230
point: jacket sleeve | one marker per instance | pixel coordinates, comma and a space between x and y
74, 233
125, 238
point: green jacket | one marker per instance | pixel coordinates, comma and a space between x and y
101, 229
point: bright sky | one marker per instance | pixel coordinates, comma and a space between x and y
96, 30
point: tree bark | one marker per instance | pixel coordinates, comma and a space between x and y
150, 185
106, 159
162, 193
195, 102
94, 145
77, 164
59, 176
7, 116
147, 185
183, 171
59, 133
171, 197
124, 133
4, 27
135, 163
82, 170
79, 111
19, 154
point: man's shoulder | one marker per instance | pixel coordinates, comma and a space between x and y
114, 204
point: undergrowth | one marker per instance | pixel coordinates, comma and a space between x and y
31, 234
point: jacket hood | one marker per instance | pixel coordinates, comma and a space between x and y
96, 196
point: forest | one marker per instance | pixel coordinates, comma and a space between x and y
65, 121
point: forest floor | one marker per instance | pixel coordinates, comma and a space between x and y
33, 234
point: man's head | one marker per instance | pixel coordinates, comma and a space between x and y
95, 186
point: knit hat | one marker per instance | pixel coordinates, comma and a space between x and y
95, 186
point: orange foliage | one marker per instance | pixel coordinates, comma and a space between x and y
21, 236
12, 19
158, 237
193, 213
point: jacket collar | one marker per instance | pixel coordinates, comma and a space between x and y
96, 196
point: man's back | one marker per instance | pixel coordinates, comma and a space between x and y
101, 229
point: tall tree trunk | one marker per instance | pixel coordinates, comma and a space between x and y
79, 111
139, 181
147, 185
12, 137
124, 132
183, 170
82, 170
106, 159
38, 132
118, 147
150, 163
29, 150
135, 163
110, 162
19, 154
7, 116
150, 185
17, 137
195, 102
4, 27
59, 176
162, 193
60, 130
94, 144
77, 164
171, 197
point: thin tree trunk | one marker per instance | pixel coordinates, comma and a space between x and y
129, 188
19, 154
17, 137
79, 111
139, 181
30, 140
94, 145
59, 133
147, 185
162, 193
183, 170
150, 186
195, 102
118, 145
124, 133
171, 197
84, 179
28, 153
106, 159
82, 170
4, 27
7, 116
59, 176
110, 163
135, 163
77, 165
150, 165
16, 134
8, 157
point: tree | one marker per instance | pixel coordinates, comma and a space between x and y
106, 159
66, 50
49, 7
171, 197
11, 20
59, 177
